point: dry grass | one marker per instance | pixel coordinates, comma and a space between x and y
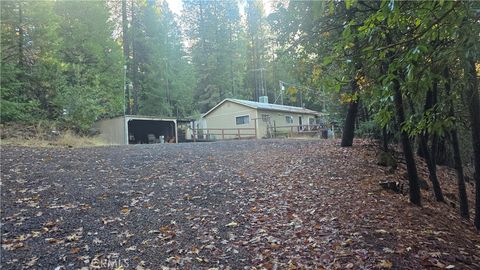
65, 139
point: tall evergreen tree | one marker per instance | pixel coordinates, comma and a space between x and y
167, 79
67, 65
91, 64
213, 30
257, 49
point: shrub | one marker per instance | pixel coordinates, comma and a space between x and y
24, 112
368, 129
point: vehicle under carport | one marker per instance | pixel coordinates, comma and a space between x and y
132, 129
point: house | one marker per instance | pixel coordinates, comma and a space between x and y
236, 118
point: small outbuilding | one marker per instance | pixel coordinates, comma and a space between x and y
236, 118
134, 129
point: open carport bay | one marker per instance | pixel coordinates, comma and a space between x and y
150, 131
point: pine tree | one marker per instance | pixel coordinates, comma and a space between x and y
214, 30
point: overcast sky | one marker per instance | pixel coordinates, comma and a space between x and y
176, 6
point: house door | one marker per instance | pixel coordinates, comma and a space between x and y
300, 128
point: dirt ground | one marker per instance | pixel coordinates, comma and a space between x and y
259, 204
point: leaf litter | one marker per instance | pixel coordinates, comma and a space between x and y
265, 204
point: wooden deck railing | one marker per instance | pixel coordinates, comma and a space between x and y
297, 129
224, 133
211, 134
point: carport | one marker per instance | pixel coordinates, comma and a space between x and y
133, 129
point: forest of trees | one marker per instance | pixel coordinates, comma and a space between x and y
407, 72
76, 62
64, 61
401, 71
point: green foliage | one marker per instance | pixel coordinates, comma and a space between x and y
64, 60
374, 44
19, 112
218, 50
167, 79
80, 107
64, 63
369, 129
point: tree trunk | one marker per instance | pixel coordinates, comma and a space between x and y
385, 139
415, 196
421, 145
230, 39
20, 36
423, 139
21, 54
474, 107
430, 157
349, 127
462, 193
385, 135
432, 170
126, 54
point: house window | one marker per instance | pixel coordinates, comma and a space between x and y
289, 119
242, 120
311, 121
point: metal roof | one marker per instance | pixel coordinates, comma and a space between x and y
265, 106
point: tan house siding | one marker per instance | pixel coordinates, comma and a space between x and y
224, 117
278, 119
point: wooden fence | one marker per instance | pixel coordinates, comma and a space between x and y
213, 134
312, 130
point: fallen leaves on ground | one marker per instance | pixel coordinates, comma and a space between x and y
265, 204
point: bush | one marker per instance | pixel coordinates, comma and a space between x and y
81, 108
26, 112
368, 129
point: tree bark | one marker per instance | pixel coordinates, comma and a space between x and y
385, 134
413, 182
349, 127
430, 156
414, 192
474, 107
432, 170
462, 193
385, 139
423, 140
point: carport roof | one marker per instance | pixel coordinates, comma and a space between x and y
265, 106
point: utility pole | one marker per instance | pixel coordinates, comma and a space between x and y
167, 93
125, 93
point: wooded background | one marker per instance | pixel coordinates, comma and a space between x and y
64, 60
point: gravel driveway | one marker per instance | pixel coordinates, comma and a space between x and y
263, 204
